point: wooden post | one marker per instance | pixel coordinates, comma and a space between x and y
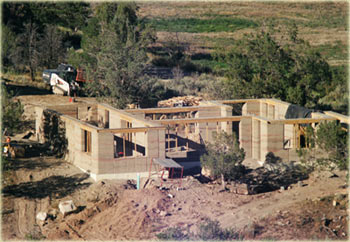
187, 137
154, 116
168, 138
294, 136
217, 127
298, 135
144, 141
135, 145
123, 145
176, 141
207, 132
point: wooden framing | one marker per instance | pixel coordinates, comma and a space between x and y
165, 110
302, 121
342, 118
130, 130
198, 120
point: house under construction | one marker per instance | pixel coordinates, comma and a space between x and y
116, 144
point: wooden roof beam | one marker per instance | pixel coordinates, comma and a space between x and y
130, 130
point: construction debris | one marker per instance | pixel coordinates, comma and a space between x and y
180, 102
242, 189
41, 216
17, 151
67, 207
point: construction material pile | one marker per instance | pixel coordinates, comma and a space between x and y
180, 101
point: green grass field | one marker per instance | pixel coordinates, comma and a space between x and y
206, 25
196, 25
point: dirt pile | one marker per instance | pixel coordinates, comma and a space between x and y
128, 215
329, 221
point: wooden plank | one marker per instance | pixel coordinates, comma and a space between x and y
168, 128
200, 120
235, 101
123, 145
166, 110
207, 132
130, 130
176, 140
135, 145
186, 131
341, 117
302, 120
123, 114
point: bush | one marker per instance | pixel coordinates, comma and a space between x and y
333, 139
211, 230
55, 133
205, 85
12, 113
224, 157
208, 230
173, 234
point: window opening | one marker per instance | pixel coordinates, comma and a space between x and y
124, 146
87, 141
106, 119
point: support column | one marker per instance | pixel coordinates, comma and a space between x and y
272, 137
245, 135
256, 139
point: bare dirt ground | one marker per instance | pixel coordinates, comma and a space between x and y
115, 210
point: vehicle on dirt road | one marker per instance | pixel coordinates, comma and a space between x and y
65, 80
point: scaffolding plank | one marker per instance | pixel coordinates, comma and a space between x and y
167, 163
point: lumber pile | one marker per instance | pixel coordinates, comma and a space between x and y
180, 102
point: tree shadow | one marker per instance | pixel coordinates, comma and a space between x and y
274, 175
29, 164
57, 186
20, 90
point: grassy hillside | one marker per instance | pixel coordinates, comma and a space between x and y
205, 25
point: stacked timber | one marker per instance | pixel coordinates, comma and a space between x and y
180, 102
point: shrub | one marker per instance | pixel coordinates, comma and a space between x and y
208, 230
333, 139
205, 85
211, 230
224, 157
173, 234
55, 133
12, 113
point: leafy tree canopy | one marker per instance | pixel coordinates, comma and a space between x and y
260, 65
12, 112
114, 55
333, 139
67, 14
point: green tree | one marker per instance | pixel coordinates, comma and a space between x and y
114, 55
51, 47
262, 66
224, 157
72, 15
7, 45
12, 112
27, 53
333, 139
34, 25
337, 97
